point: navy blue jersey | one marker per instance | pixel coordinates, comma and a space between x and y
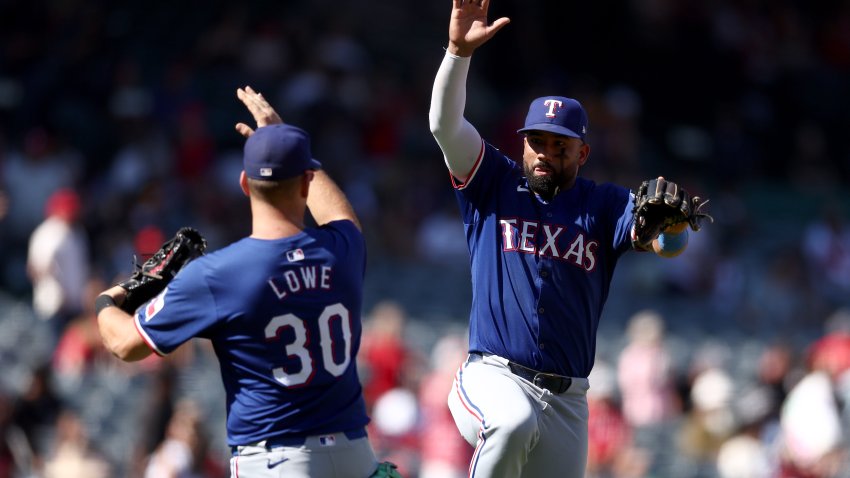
541, 270
284, 320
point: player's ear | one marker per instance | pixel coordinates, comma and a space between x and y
243, 183
583, 153
305, 182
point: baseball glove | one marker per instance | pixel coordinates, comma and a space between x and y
660, 204
150, 278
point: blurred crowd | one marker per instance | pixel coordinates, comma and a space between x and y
660, 405
116, 129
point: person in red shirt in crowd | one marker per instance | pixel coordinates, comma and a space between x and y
444, 452
611, 451
813, 436
831, 353
383, 352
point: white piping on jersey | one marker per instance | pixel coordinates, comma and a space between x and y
475, 167
147, 337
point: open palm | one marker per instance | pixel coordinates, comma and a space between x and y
468, 28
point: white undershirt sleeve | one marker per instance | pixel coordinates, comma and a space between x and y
457, 138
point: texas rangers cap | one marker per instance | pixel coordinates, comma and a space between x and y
556, 114
278, 151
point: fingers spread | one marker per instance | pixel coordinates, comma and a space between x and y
498, 24
259, 108
244, 129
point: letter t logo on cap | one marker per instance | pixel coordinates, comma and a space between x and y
552, 104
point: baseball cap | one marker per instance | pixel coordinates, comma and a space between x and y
556, 114
64, 203
278, 151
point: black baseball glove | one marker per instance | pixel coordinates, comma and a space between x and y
660, 204
150, 278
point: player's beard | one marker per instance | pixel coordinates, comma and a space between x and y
545, 186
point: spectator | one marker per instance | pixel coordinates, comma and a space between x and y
812, 439
160, 400
445, 454
710, 422
394, 430
72, 455
383, 352
79, 345
831, 353
814, 444
184, 451
33, 175
611, 449
645, 373
35, 413
58, 261
440, 239
749, 452
775, 370
826, 246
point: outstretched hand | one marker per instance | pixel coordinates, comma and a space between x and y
262, 111
468, 28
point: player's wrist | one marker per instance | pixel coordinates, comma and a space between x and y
637, 244
103, 301
458, 52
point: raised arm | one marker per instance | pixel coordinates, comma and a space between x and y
457, 138
327, 202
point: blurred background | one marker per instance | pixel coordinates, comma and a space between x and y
116, 128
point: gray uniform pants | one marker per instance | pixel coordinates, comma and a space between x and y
517, 428
321, 456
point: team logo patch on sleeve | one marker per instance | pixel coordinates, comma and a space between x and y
155, 305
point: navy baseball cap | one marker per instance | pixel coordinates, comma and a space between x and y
278, 151
556, 114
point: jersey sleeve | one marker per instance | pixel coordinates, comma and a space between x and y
478, 194
349, 241
185, 309
621, 201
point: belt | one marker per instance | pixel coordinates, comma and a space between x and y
296, 440
556, 384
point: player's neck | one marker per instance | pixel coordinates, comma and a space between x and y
275, 223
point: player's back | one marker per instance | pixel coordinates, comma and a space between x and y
288, 330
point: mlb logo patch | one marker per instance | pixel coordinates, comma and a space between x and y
295, 255
327, 440
265, 172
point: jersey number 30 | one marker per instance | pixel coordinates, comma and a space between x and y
326, 343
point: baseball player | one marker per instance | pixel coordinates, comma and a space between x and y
282, 309
543, 244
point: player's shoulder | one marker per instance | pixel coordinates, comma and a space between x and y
237, 254
338, 232
494, 157
606, 189
341, 227
605, 196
